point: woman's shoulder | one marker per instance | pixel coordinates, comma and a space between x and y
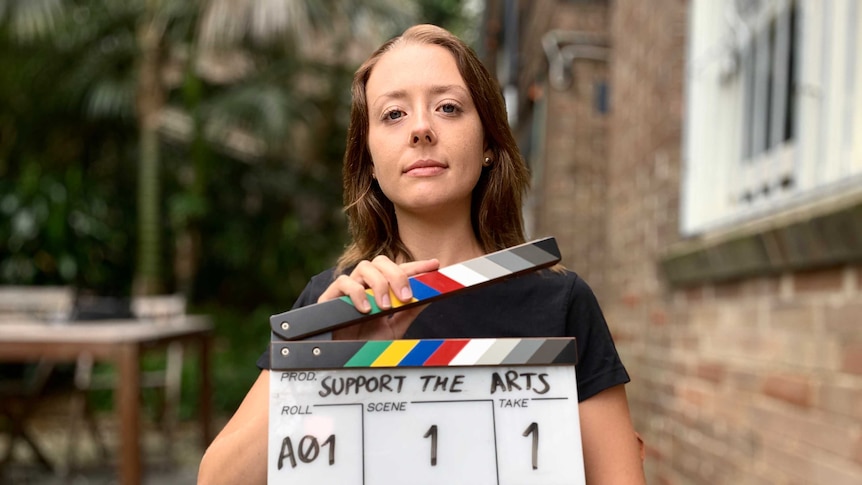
557, 280
315, 287
324, 278
558, 287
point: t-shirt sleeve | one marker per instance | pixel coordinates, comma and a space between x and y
309, 295
599, 366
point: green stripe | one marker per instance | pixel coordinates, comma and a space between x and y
368, 353
374, 307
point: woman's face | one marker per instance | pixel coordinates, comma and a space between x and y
425, 136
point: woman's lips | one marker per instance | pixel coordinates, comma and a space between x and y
425, 168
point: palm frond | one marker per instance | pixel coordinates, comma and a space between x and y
227, 23
263, 111
274, 19
111, 98
31, 20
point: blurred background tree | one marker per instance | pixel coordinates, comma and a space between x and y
171, 146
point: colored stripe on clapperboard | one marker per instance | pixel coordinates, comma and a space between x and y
423, 353
329, 315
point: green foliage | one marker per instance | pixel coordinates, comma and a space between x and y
252, 221
450, 14
45, 211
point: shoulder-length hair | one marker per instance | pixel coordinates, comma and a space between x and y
496, 203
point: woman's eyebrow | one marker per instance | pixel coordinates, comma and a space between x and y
434, 90
448, 88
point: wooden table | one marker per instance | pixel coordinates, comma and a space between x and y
120, 342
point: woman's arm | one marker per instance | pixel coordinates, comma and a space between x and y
238, 453
612, 453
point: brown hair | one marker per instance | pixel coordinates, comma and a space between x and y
496, 206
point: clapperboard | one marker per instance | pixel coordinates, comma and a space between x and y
452, 411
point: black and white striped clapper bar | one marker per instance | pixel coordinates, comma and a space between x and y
421, 412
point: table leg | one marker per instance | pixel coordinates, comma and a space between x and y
129, 414
206, 391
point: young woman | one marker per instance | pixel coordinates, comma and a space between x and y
433, 177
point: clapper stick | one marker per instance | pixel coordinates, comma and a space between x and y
352, 354
330, 315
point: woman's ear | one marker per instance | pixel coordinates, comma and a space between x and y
488, 154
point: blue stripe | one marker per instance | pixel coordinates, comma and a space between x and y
420, 353
421, 291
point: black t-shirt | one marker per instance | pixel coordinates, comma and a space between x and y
545, 303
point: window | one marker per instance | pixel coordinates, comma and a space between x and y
774, 116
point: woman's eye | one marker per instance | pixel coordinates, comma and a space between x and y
394, 114
449, 108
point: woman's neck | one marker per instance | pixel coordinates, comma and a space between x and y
449, 240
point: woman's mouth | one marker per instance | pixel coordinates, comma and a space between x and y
425, 168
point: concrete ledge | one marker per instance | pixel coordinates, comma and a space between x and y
820, 236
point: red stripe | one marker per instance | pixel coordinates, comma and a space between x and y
439, 281
446, 352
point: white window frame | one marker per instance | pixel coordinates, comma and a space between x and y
736, 167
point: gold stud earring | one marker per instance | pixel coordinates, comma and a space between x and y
487, 162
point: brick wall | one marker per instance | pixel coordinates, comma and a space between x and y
570, 197
752, 381
747, 382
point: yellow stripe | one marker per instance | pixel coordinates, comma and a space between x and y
393, 355
393, 300
396, 302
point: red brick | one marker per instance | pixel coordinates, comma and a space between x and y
793, 389
828, 433
745, 380
830, 279
844, 319
631, 300
792, 315
762, 286
692, 396
852, 358
731, 289
842, 399
785, 463
662, 479
622, 337
827, 472
712, 371
658, 317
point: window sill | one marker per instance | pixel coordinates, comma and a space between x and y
821, 234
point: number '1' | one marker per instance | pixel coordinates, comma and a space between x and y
534, 429
432, 432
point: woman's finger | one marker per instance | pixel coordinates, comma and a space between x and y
402, 286
385, 278
390, 276
418, 267
346, 286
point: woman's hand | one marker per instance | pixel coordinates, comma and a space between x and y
389, 281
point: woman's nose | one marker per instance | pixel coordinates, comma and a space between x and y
422, 131
426, 137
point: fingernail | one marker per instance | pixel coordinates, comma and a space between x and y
365, 306
385, 301
406, 294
